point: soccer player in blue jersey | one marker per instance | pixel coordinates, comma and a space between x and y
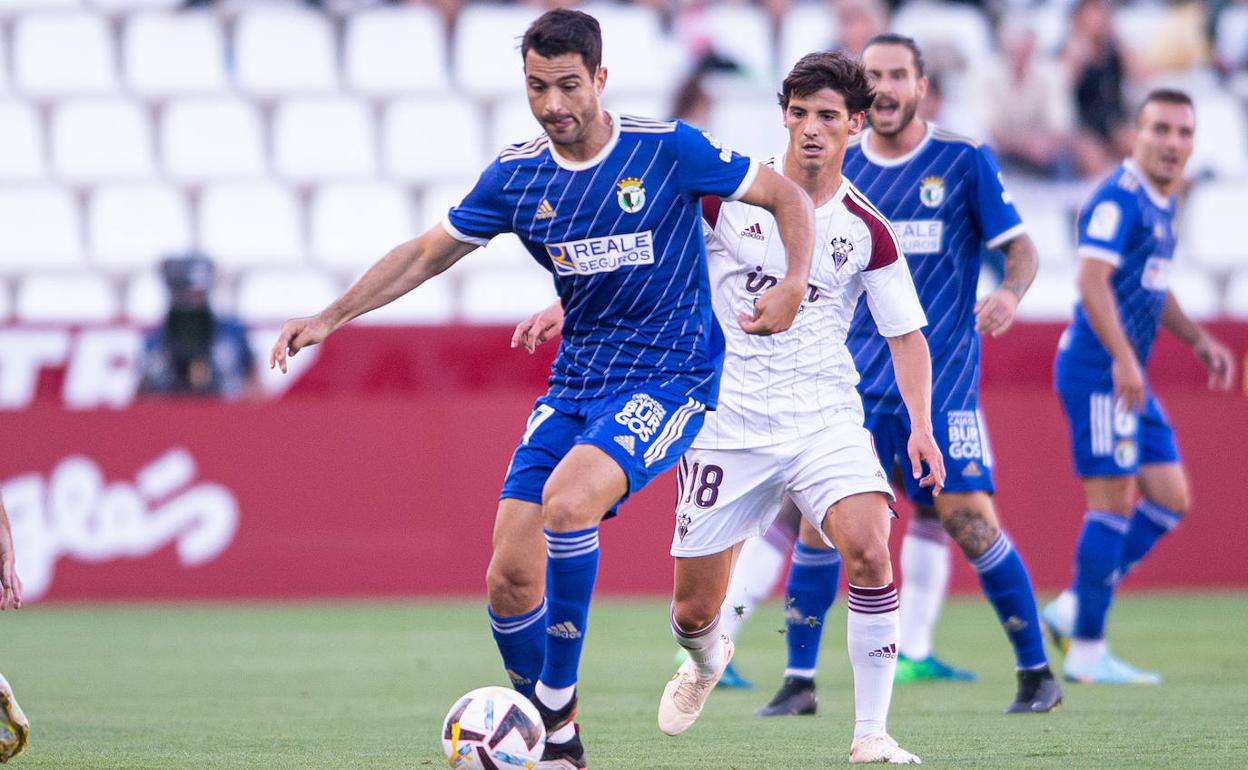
609, 204
944, 195
1123, 444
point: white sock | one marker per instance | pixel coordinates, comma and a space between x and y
555, 698
563, 734
872, 642
760, 565
705, 646
924, 580
1084, 652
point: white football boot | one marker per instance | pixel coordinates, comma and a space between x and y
686, 694
880, 749
14, 727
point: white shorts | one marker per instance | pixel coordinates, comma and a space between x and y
728, 495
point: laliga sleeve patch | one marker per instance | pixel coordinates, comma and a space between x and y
1103, 224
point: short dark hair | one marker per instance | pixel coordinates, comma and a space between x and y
892, 38
835, 71
1165, 96
564, 31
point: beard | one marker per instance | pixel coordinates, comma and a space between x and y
905, 114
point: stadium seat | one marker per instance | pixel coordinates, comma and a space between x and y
639, 104
354, 225
396, 50
243, 225
58, 54
503, 252
284, 51
172, 54
21, 136
1196, 292
750, 126
77, 297
97, 139
1221, 148
512, 122
133, 226
146, 298
1236, 304
639, 58
943, 29
18, 6
428, 139
1139, 23
743, 33
437, 199
1211, 210
128, 6
433, 302
41, 228
268, 295
1053, 232
505, 296
485, 50
1052, 297
1232, 33
206, 138
323, 137
806, 27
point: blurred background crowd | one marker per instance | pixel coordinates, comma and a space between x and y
293, 143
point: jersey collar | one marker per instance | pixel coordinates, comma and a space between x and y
1159, 200
572, 165
777, 165
878, 160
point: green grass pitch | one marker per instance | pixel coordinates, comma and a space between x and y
365, 685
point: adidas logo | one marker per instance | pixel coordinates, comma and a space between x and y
754, 231
545, 210
972, 470
518, 679
564, 630
629, 444
887, 651
1014, 623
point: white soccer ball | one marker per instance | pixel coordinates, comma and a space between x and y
493, 728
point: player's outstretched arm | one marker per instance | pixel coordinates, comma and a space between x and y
1101, 309
795, 217
1215, 356
10, 583
912, 363
994, 314
407, 266
538, 328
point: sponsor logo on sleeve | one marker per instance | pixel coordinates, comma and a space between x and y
725, 154
920, 236
1103, 224
602, 255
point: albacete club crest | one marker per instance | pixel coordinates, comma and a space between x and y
841, 248
932, 191
630, 194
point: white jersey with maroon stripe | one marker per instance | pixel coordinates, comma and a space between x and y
792, 384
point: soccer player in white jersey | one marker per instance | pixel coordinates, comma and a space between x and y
609, 205
1122, 441
14, 727
789, 419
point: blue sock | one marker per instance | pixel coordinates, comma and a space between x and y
571, 568
1148, 524
809, 593
521, 641
1098, 565
1008, 588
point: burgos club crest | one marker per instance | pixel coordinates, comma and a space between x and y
841, 247
630, 194
932, 191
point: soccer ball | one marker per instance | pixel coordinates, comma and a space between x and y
493, 728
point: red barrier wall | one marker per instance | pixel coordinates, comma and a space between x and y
378, 474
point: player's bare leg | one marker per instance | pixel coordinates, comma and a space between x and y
971, 520
700, 585
580, 491
925, 566
858, 526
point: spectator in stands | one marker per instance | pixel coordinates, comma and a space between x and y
857, 21
1098, 68
1032, 135
195, 351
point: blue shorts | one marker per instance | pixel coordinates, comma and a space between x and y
1109, 441
645, 431
961, 437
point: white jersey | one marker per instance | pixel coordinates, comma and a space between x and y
788, 385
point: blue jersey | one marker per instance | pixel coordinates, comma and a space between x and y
945, 200
622, 236
1131, 226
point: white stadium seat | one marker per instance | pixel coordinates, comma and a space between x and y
752, 127
1221, 147
396, 50
97, 139
806, 27
41, 228
1213, 209
146, 298
513, 122
439, 198
1196, 292
743, 33
638, 56
323, 137
271, 295
1232, 33
211, 138
1051, 297
427, 139
58, 298
134, 226
504, 252
128, 6
56, 54
944, 27
505, 296
18, 6
173, 54
21, 137
1236, 305
1053, 232
6, 302
284, 51
354, 225
241, 225
486, 48
1139, 23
